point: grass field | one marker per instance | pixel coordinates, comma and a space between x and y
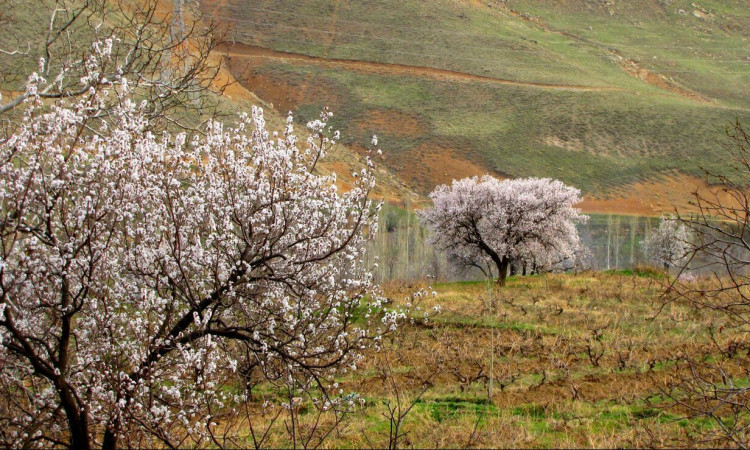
601, 96
579, 360
596, 141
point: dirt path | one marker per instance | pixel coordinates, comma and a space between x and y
250, 51
327, 43
628, 65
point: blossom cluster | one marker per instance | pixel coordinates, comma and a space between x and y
142, 274
503, 221
669, 243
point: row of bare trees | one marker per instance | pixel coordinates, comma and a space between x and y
716, 240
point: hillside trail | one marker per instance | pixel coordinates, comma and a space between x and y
238, 50
628, 65
327, 46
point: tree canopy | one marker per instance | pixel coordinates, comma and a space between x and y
144, 276
529, 220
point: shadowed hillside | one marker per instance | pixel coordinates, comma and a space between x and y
626, 100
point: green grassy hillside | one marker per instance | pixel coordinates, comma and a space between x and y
598, 94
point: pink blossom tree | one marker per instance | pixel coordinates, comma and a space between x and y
669, 243
493, 222
165, 55
143, 276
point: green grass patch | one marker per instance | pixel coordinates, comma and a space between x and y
445, 408
639, 271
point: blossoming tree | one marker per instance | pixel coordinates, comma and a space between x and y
139, 271
488, 220
165, 52
669, 243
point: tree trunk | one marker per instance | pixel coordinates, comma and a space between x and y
77, 424
502, 269
500, 262
110, 440
79, 438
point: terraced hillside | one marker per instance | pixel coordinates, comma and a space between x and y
626, 100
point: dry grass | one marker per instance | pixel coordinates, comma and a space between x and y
579, 361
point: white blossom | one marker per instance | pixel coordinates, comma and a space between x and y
137, 267
668, 243
492, 222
